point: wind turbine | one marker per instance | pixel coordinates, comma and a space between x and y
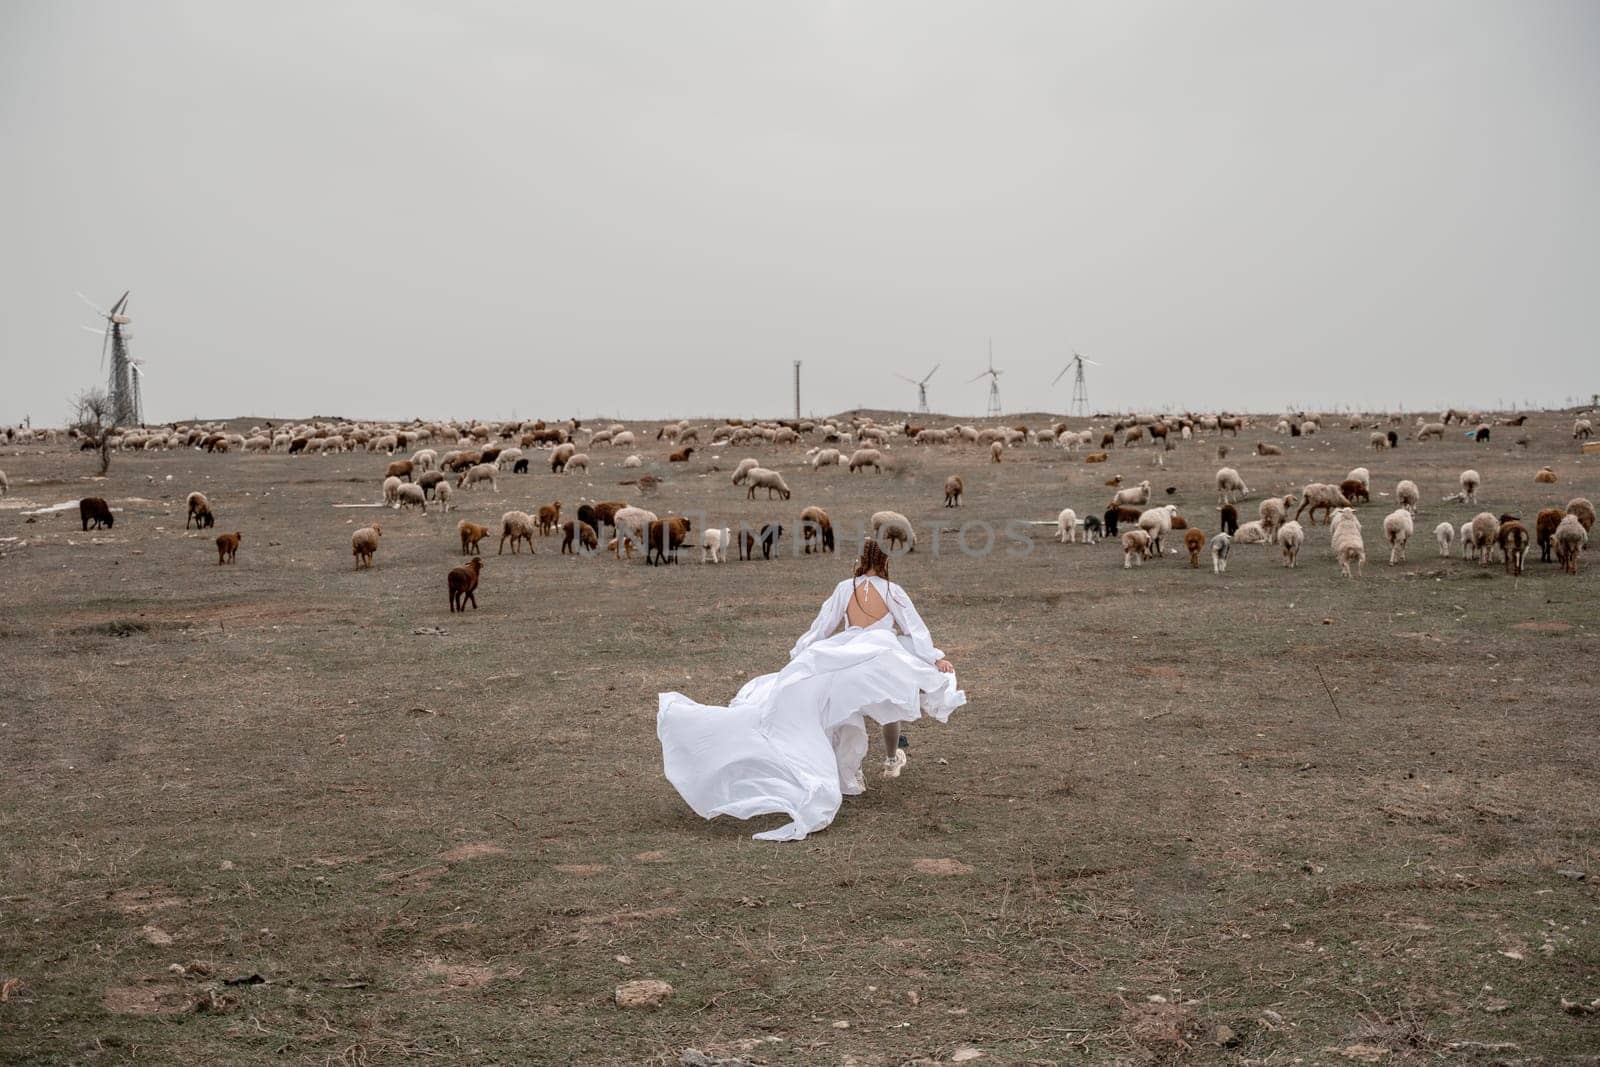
922, 388
120, 389
994, 382
1080, 391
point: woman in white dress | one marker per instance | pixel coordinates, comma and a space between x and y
793, 742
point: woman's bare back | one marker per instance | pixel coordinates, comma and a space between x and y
866, 605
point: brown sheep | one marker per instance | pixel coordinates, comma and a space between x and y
681, 455
582, 531
228, 547
1355, 491
1544, 527
1096, 457
400, 468
600, 515
549, 518
952, 491
1546, 476
767, 539
199, 512
94, 509
471, 534
364, 545
1195, 542
1577, 506
665, 537
1264, 449
1513, 539
815, 525
1108, 439
463, 583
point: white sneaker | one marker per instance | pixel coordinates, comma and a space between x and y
895, 764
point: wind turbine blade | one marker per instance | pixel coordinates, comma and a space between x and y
97, 331
93, 306
1063, 374
975, 377
903, 378
103, 344
116, 309
1091, 362
931, 373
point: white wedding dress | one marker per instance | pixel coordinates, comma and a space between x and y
793, 742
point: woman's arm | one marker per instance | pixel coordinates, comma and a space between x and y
911, 624
827, 620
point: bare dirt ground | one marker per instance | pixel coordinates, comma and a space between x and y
252, 814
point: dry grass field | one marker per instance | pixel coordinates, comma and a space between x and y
290, 812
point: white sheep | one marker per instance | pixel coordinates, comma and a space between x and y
423, 460
770, 480
577, 462
1273, 512
1157, 522
862, 458
520, 527
826, 457
633, 461
1485, 534
1445, 534
1397, 527
714, 545
1348, 547
1251, 533
442, 493
1406, 494
411, 495
890, 528
508, 458
1138, 496
1291, 537
479, 472
1067, 526
1378, 440
1469, 486
1135, 547
1221, 546
1362, 475
391, 491
622, 440
1228, 484
744, 468
1570, 537
633, 528
1464, 538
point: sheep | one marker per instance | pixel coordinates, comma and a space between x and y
1067, 526
520, 466
825, 457
1513, 542
423, 460
767, 539
815, 525
1228, 516
742, 471
471, 533
1134, 435
1469, 486
1115, 516
228, 547
714, 546
1157, 522
633, 461
1138, 496
1273, 512
1221, 546
428, 482
1264, 449
632, 525
549, 518
94, 509
600, 515
463, 584
666, 537
412, 496
952, 491
771, 481
509, 457
479, 472
1251, 533
1426, 430
1355, 491
1378, 440
1291, 537
1135, 547
582, 532
1485, 532
1580, 507
680, 455
1194, 541
1544, 528
1097, 457
1348, 547
1397, 527
364, 545
401, 469
1464, 539
994, 451
5, 484
1362, 475
199, 512
442, 492
862, 458
1582, 429
559, 456
1570, 539
1445, 534
891, 528
622, 440
1317, 495
1407, 495
519, 526
391, 491
1228, 484
578, 462
1546, 476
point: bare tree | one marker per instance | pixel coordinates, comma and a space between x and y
92, 413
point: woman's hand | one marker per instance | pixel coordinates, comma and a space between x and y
945, 666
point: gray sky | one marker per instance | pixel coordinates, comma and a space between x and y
648, 209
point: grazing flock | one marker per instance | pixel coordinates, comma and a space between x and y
425, 464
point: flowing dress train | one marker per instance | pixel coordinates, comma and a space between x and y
793, 742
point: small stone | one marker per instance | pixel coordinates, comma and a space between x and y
225, 865
1272, 1017
156, 936
625, 960
644, 993
1494, 1005
966, 1054
841, 1024
1226, 1036
1573, 873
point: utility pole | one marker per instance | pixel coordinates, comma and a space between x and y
797, 390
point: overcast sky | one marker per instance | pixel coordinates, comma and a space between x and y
651, 209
